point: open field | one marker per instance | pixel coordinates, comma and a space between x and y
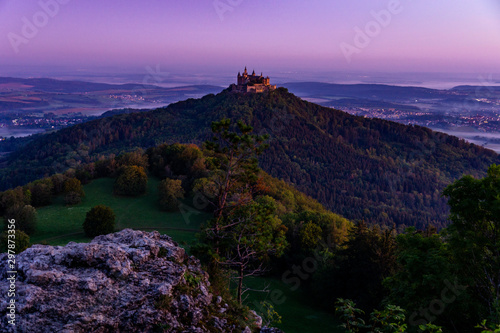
59, 224
296, 308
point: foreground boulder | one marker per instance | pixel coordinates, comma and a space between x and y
129, 281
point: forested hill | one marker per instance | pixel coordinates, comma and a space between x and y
370, 169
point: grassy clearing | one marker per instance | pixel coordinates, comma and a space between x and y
59, 224
295, 307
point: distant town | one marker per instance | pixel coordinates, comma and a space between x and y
470, 112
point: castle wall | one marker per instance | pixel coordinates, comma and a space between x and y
253, 83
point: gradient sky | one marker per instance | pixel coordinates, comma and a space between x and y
426, 35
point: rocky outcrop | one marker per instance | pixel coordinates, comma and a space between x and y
129, 281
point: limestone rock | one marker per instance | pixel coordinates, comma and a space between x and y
129, 281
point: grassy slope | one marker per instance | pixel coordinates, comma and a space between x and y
297, 310
58, 225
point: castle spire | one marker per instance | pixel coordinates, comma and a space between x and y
245, 72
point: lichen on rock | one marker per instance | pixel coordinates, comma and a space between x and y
129, 281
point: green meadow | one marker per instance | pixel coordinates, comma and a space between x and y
298, 312
59, 224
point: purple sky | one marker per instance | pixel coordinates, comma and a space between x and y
182, 35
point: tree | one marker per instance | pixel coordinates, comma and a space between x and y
21, 241
389, 320
100, 220
423, 280
474, 236
41, 192
310, 235
137, 158
73, 191
235, 167
24, 216
132, 181
14, 197
170, 191
358, 269
245, 230
252, 234
58, 182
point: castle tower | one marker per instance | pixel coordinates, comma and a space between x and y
252, 83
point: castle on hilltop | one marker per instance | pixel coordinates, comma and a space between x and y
252, 83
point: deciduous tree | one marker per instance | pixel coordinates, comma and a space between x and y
474, 235
100, 220
132, 181
25, 217
170, 190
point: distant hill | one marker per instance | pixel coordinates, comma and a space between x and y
370, 169
390, 96
372, 91
19, 96
53, 85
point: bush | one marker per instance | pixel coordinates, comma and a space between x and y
41, 192
15, 197
21, 241
170, 190
74, 191
136, 158
132, 181
72, 198
100, 220
25, 217
58, 182
74, 185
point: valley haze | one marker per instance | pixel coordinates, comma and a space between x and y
250, 166
461, 105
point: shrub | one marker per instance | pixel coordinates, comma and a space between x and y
170, 190
25, 217
132, 181
15, 197
21, 241
74, 191
72, 198
74, 185
100, 220
41, 192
